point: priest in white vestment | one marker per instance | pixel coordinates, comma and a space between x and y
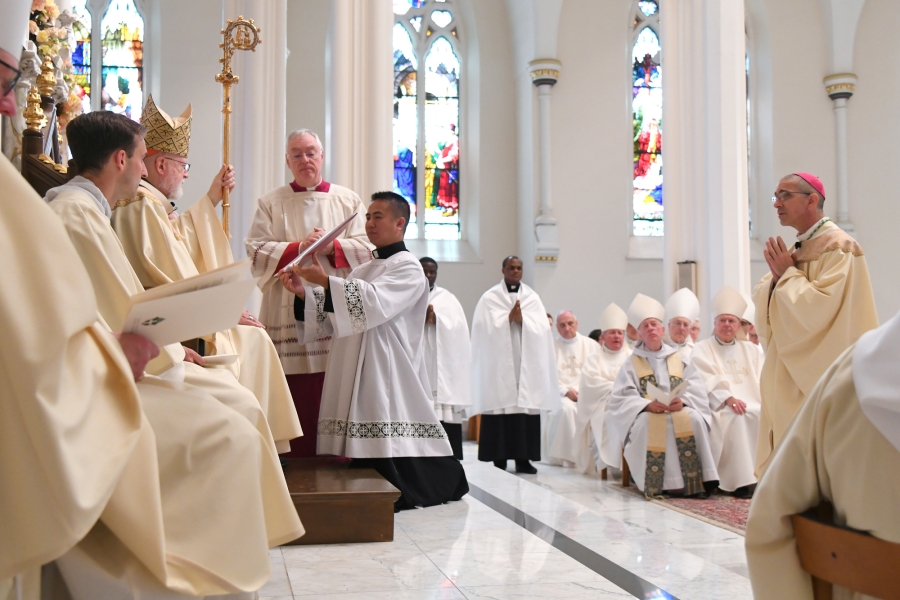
162, 249
572, 350
843, 447
597, 377
377, 406
287, 220
682, 309
666, 445
84, 210
731, 369
448, 356
814, 304
514, 373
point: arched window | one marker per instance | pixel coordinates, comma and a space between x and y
426, 117
122, 86
81, 54
646, 108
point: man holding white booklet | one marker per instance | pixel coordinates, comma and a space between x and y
659, 412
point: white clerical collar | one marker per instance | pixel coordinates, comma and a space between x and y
809, 233
565, 341
721, 343
666, 350
612, 352
877, 379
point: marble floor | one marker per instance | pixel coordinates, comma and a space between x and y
469, 550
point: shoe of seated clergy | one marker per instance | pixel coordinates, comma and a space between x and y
500, 464
523, 466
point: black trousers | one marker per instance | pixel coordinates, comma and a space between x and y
505, 437
454, 435
422, 480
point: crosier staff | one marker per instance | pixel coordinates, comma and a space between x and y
240, 34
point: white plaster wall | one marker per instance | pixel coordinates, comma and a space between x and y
873, 134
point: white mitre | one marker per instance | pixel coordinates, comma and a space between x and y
750, 313
728, 301
14, 25
643, 308
613, 317
683, 303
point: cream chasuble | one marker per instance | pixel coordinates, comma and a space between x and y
597, 377
162, 251
561, 429
843, 447
283, 219
731, 370
814, 312
635, 430
79, 205
448, 356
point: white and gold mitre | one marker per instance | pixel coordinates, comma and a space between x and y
728, 301
165, 134
613, 317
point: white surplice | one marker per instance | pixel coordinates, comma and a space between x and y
732, 370
597, 377
561, 424
283, 219
448, 356
513, 366
628, 425
376, 402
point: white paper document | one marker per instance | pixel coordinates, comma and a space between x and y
660, 396
193, 307
319, 244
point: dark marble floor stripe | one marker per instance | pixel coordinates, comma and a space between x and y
625, 579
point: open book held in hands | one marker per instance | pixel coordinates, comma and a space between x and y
318, 245
660, 396
192, 307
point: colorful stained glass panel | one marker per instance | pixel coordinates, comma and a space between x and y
441, 142
401, 7
647, 199
81, 54
406, 122
123, 59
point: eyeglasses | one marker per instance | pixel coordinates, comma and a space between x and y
784, 195
313, 155
184, 165
7, 85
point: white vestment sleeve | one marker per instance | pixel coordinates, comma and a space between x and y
315, 324
263, 249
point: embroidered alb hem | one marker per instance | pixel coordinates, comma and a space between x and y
370, 430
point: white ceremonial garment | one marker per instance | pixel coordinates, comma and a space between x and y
597, 378
283, 219
513, 366
448, 356
732, 370
561, 424
376, 402
628, 425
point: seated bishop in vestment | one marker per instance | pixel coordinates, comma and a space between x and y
572, 351
731, 369
843, 448
666, 445
514, 374
682, 309
597, 377
164, 248
448, 356
377, 406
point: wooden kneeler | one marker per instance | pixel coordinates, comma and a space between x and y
626, 472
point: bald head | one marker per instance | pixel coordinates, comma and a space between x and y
566, 324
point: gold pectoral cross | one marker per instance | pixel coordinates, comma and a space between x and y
735, 373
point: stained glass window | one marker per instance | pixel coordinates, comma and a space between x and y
646, 106
123, 59
426, 117
81, 54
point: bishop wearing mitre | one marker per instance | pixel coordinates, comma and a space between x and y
731, 368
813, 304
682, 309
595, 450
377, 406
448, 356
163, 246
288, 219
843, 448
513, 370
666, 445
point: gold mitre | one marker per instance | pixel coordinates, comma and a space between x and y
165, 134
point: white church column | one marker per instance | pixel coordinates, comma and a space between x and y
358, 149
544, 75
705, 131
839, 88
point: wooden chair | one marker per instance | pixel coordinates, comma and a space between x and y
626, 472
835, 555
